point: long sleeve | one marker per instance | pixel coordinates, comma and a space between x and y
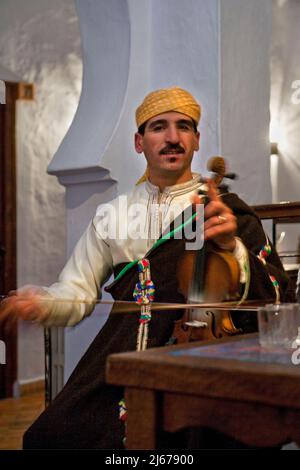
82, 277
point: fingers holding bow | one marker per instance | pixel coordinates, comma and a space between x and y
220, 223
24, 304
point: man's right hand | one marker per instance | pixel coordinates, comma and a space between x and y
25, 304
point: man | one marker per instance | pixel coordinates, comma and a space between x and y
85, 413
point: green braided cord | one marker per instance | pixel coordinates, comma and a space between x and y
156, 244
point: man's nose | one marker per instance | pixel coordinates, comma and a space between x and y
172, 135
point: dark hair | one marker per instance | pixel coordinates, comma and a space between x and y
141, 129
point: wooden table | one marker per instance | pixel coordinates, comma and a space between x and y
232, 386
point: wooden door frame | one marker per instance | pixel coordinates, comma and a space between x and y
8, 235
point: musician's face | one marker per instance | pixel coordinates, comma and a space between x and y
168, 143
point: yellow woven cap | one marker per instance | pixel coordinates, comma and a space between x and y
168, 99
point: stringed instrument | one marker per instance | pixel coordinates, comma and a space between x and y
207, 275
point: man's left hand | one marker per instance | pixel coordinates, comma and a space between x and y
220, 223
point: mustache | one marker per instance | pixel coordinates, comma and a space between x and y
171, 148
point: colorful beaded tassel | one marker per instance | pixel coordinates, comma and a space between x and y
122, 410
143, 294
263, 255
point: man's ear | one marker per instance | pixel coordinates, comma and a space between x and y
197, 143
138, 142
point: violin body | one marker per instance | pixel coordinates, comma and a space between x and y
221, 283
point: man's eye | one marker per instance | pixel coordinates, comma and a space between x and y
157, 128
184, 127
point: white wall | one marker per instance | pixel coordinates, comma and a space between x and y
285, 109
40, 41
245, 43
